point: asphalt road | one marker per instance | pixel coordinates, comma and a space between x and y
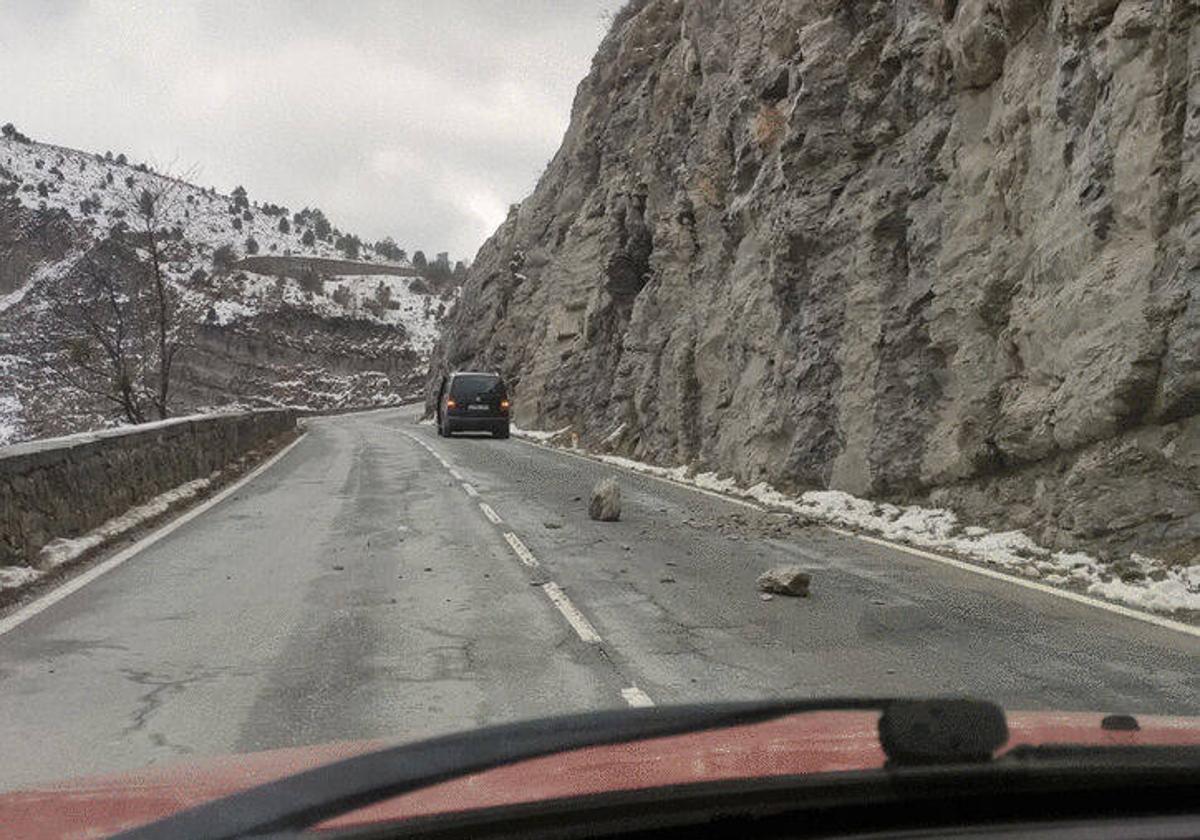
357, 589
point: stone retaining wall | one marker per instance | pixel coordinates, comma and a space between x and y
64, 487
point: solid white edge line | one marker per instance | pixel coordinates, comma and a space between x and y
470, 491
636, 698
1126, 612
582, 627
523, 553
492, 516
455, 474
663, 479
81, 580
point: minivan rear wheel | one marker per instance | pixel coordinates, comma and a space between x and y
502, 432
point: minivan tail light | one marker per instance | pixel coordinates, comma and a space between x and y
504, 404
451, 404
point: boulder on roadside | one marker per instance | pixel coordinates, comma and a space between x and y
605, 504
785, 580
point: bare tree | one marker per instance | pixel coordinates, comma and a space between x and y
162, 244
119, 320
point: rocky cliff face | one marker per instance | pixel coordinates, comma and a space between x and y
945, 251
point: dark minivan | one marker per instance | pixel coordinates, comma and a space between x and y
470, 401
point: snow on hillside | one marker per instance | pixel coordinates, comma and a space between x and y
98, 193
381, 299
335, 366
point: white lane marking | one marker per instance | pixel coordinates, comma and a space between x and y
583, 628
636, 698
437, 455
79, 581
1128, 612
490, 514
471, 491
525, 555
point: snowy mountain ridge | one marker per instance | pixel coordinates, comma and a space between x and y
353, 326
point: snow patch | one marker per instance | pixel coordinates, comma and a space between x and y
15, 577
64, 550
41, 273
612, 437
532, 434
10, 417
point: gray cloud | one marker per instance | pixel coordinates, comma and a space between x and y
415, 119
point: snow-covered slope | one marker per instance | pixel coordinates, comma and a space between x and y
354, 296
98, 193
352, 327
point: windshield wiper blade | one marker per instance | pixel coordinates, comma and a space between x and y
307, 798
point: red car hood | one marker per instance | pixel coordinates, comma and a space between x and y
809, 743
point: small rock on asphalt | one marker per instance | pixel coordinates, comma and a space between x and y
605, 504
765, 597
785, 580
552, 525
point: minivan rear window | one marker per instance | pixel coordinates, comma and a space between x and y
465, 388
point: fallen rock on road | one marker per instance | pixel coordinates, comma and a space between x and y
605, 504
785, 580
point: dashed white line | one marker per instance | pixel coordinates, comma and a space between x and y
636, 698
525, 555
582, 627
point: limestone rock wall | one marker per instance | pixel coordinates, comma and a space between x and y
931, 250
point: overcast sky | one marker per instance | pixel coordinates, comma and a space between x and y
418, 119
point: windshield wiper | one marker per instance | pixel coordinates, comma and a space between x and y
307, 798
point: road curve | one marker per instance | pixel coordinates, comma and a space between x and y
380, 582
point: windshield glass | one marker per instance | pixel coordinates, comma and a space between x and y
373, 372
